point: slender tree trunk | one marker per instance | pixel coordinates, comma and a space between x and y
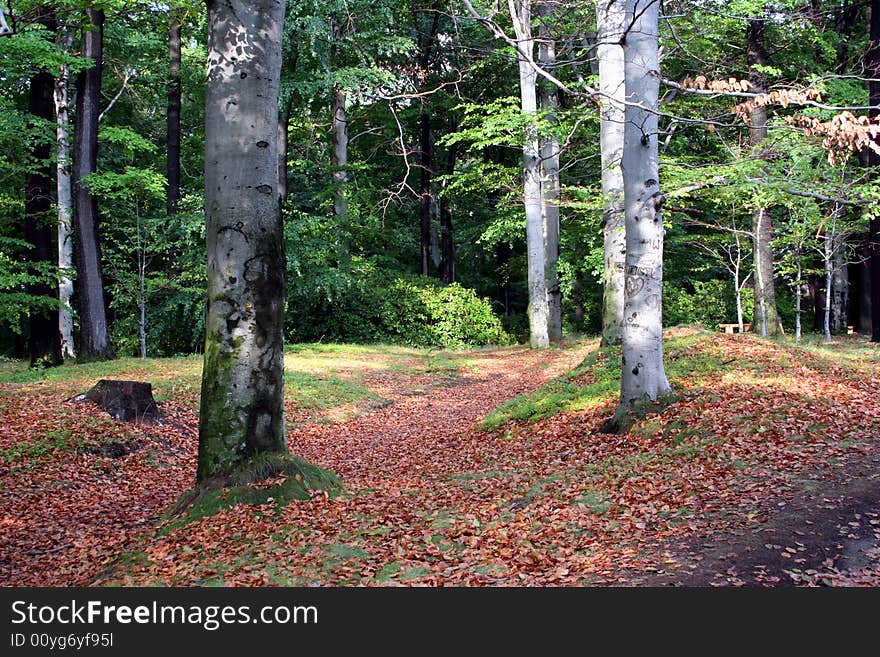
840, 285
283, 126
426, 163
44, 344
142, 287
766, 321
242, 403
173, 117
64, 187
872, 66
863, 317
340, 154
550, 185
611, 21
538, 309
798, 331
503, 255
828, 257
643, 376
426, 145
447, 244
95, 336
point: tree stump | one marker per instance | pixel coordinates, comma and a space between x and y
129, 401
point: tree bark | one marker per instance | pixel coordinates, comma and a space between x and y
766, 321
242, 403
863, 274
643, 377
550, 184
839, 286
44, 344
538, 308
872, 66
283, 126
64, 188
340, 154
611, 21
173, 117
95, 336
426, 164
447, 244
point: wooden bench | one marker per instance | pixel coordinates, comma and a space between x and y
732, 328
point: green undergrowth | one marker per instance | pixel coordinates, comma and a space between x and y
245, 486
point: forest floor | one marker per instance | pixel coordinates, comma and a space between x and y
476, 468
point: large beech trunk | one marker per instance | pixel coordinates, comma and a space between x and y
242, 405
643, 377
550, 185
94, 332
538, 309
611, 21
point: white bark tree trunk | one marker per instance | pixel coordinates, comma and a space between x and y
611, 23
340, 153
242, 404
643, 377
538, 309
550, 185
64, 186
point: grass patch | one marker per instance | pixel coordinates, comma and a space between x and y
308, 391
564, 393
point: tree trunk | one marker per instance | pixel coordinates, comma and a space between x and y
447, 244
44, 344
611, 21
828, 259
95, 337
643, 377
798, 331
766, 321
426, 163
242, 404
550, 186
872, 66
863, 271
538, 309
283, 126
839, 286
64, 188
340, 154
173, 117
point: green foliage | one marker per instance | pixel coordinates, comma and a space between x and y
707, 306
365, 306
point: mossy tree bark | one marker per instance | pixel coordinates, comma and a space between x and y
242, 405
643, 377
